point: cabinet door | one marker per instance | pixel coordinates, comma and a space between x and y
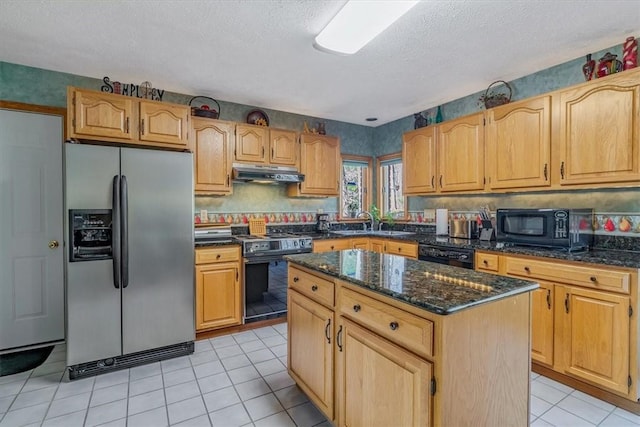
98, 114
542, 324
251, 143
409, 250
320, 163
218, 295
419, 161
310, 349
211, 143
461, 154
283, 147
360, 243
376, 245
594, 336
379, 383
164, 123
599, 125
519, 143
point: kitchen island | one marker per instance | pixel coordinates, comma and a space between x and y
378, 339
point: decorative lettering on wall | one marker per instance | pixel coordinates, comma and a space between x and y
131, 89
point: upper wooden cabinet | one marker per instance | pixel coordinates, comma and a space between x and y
211, 142
261, 145
518, 140
598, 131
419, 161
251, 143
321, 165
460, 153
103, 116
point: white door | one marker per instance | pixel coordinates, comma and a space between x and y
31, 229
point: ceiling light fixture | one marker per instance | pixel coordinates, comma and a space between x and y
359, 22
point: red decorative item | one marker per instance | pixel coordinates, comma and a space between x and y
609, 225
630, 53
588, 68
609, 65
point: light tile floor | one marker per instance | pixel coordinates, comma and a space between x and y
233, 380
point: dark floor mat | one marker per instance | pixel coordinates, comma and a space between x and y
21, 361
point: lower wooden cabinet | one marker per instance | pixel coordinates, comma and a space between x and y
584, 320
331, 245
310, 360
382, 246
218, 288
592, 336
542, 309
380, 383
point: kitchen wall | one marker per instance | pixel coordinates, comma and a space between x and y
388, 139
37, 86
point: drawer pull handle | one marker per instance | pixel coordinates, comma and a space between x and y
295, 279
332, 247
566, 303
326, 331
314, 288
218, 256
339, 338
485, 262
594, 279
549, 299
393, 325
527, 269
356, 308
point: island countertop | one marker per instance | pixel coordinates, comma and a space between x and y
437, 288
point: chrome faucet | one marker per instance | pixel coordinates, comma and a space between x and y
364, 224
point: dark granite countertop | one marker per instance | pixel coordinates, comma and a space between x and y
437, 288
610, 257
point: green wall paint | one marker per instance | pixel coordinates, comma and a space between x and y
45, 87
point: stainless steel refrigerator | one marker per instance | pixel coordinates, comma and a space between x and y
129, 256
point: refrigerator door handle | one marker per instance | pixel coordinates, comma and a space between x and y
124, 234
115, 231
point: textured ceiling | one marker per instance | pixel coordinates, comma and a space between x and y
260, 52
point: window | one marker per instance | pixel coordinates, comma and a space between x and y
390, 196
355, 183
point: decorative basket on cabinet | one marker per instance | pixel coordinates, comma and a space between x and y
203, 109
494, 99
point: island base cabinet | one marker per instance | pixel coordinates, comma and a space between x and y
310, 351
593, 339
379, 383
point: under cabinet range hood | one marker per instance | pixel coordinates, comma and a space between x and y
265, 174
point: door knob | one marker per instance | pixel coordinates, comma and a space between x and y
53, 244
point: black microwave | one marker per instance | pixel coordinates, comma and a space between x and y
569, 229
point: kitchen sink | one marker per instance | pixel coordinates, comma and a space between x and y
391, 233
372, 233
350, 232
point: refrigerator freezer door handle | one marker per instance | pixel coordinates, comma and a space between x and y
115, 232
124, 234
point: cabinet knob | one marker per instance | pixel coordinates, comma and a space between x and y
393, 325
485, 262
218, 256
314, 288
594, 279
356, 308
527, 269
295, 279
332, 247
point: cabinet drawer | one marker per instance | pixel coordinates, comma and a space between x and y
399, 326
617, 281
331, 245
219, 254
400, 248
317, 288
487, 262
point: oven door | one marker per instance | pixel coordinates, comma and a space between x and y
265, 287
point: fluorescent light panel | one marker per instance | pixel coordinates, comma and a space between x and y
359, 22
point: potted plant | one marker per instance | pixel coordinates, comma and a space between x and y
352, 208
